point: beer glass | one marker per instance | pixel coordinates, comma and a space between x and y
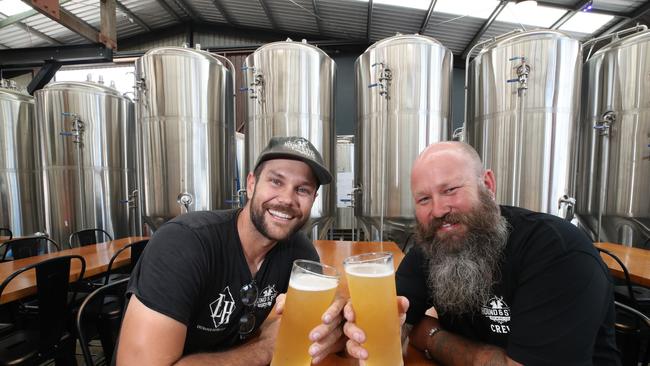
312, 286
371, 280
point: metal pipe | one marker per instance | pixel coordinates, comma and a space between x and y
603, 126
611, 37
78, 129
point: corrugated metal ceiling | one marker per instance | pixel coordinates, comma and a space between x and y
323, 19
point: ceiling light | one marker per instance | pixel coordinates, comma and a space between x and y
13, 7
587, 23
529, 13
526, 5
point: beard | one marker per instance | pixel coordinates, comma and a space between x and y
258, 219
463, 268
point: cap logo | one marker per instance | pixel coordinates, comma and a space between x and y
300, 146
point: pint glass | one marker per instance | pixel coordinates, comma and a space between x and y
371, 280
311, 290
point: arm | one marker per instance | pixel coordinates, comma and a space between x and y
141, 325
445, 347
450, 349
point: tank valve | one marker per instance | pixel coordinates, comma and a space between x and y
604, 125
77, 131
185, 199
522, 74
132, 199
458, 134
566, 206
383, 79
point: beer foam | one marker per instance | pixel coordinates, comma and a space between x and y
309, 282
369, 270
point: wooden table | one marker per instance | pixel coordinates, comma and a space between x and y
333, 253
636, 260
97, 257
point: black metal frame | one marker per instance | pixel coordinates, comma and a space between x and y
101, 312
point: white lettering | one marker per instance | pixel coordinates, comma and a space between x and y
502, 329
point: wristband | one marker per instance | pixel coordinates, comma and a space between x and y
431, 333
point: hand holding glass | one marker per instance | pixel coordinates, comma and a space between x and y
371, 280
311, 290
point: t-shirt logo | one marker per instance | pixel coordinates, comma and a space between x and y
498, 312
267, 296
222, 308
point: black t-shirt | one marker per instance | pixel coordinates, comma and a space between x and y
553, 304
194, 268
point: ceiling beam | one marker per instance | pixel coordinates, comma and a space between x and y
66, 55
267, 11
169, 9
632, 16
317, 16
576, 9
52, 10
369, 20
132, 16
45, 74
22, 16
222, 9
488, 22
108, 22
425, 23
187, 8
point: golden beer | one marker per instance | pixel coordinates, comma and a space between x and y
371, 280
310, 293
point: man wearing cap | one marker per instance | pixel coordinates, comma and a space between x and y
207, 280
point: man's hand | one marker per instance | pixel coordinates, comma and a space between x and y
357, 336
328, 336
268, 336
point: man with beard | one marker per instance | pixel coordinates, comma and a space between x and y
208, 280
510, 286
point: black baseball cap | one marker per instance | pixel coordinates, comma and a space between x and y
296, 148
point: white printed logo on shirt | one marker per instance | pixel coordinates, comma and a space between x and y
222, 308
266, 297
498, 312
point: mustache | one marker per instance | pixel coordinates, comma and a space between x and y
428, 232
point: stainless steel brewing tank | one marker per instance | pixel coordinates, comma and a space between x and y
87, 133
187, 133
291, 93
345, 182
615, 141
21, 191
522, 118
403, 90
